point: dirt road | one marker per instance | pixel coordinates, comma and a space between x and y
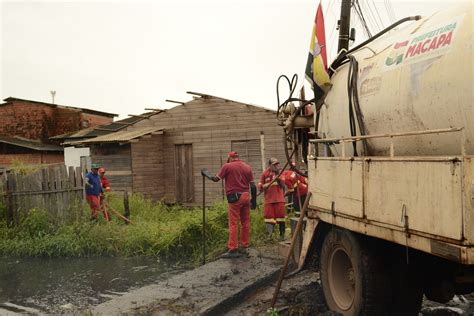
302, 295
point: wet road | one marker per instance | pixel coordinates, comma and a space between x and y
37, 285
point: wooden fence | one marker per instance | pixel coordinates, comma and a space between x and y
55, 189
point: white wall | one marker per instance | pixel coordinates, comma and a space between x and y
72, 155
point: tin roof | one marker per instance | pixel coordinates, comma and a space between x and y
28, 143
119, 137
104, 129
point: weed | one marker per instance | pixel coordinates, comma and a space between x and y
158, 230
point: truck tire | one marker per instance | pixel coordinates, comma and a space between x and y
353, 277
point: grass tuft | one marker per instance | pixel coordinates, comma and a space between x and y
158, 230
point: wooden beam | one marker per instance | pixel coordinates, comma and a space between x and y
143, 116
172, 101
154, 110
105, 129
202, 95
123, 123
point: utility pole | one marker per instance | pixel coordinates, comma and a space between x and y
344, 25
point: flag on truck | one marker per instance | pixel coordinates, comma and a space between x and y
317, 65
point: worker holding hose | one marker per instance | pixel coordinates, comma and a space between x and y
272, 184
238, 180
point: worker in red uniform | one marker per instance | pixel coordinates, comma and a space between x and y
272, 185
298, 185
105, 188
238, 179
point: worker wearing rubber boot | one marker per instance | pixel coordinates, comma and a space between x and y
272, 185
238, 180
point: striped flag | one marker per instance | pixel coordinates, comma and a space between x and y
317, 65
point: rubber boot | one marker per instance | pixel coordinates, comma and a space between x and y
281, 227
270, 228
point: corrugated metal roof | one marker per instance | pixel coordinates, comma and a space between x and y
28, 143
77, 134
104, 129
120, 136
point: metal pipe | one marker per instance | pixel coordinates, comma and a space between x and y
203, 220
357, 138
299, 225
343, 55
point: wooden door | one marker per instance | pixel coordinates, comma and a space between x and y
183, 157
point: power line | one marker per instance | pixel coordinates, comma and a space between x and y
389, 9
393, 11
358, 10
371, 16
378, 14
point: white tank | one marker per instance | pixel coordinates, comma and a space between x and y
418, 77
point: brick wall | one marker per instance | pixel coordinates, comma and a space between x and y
31, 158
39, 122
95, 120
25, 120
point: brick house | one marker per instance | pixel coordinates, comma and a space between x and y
26, 127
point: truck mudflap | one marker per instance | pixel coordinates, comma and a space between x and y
308, 237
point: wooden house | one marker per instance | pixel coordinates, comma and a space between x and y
162, 156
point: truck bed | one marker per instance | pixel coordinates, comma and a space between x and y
424, 203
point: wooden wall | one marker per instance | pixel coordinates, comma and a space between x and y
147, 166
210, 125
117, 161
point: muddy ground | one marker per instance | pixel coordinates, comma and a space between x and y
302, 295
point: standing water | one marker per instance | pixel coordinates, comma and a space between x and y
38, 285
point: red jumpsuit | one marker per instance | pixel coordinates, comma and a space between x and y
274, 197
105, 188
298, 185
237, 176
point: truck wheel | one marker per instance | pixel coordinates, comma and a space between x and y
352, 275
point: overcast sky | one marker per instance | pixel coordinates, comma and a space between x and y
122, 57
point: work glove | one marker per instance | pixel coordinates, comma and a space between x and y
253, 194
253, 203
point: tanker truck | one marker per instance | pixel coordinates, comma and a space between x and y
390, 165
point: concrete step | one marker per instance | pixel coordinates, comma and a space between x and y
208, 290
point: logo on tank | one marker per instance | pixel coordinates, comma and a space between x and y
423, 45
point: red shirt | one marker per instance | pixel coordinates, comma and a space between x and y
294, 180
237, 176
274, 193
105, 183
288, 179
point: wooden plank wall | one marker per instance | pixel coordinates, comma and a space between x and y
210, 125
117, 161
53, 188
147, 166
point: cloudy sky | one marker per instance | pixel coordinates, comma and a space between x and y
123, 56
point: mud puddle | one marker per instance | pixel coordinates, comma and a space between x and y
52, 286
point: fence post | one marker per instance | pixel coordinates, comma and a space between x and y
9, 203
126, 207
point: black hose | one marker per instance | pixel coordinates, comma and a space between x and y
343, 55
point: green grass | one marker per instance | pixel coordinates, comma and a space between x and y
157, 230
